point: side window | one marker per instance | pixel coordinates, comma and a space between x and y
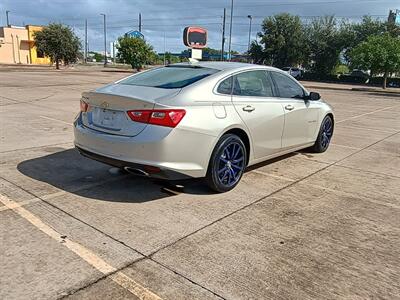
225, 87
253, 83
287, 87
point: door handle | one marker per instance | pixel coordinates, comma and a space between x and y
248, 108
289, 107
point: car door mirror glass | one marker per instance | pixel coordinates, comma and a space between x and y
313, 96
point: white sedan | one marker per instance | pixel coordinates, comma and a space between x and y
205, 119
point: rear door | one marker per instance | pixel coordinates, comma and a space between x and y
253, 98
300, 115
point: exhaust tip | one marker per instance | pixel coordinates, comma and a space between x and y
136, 171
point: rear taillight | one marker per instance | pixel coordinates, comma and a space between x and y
84, 106
162, 117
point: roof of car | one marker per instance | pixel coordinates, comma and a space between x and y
220, 65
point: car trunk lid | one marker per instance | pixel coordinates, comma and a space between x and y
108, 107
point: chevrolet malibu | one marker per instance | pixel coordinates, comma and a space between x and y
201, 119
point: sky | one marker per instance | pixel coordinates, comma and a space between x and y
164, 21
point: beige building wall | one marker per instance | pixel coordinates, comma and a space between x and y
14, 45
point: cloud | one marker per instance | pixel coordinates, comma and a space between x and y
169, 17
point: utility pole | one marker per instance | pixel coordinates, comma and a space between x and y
114, 53
165, 46
140, 22
86, 42
223, 37
8, 21
230, 33
105, 40
248, 46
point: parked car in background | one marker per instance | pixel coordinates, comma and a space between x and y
359, 73
295, 72
204, 119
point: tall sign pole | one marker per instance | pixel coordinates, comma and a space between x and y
223, 36
140, 22
230, 33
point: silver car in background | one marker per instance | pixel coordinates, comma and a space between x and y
204, 119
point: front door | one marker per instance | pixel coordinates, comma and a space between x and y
301, 115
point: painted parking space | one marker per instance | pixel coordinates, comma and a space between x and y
305, 225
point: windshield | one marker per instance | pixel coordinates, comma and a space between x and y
170, 77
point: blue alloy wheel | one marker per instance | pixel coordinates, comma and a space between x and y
324, 136
231, 164
327, 131
227, 163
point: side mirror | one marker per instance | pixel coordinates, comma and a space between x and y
313, 96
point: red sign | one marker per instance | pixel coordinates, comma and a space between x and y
195, 37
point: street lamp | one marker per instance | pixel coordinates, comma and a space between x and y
105, 40
248, 46
8, 21
230, 33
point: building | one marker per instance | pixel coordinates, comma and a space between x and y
17, 46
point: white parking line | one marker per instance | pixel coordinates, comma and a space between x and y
57, 120
272, 175
87, 255
365, 114
60, 193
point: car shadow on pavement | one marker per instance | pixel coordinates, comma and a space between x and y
71, 172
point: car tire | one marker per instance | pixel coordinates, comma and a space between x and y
227, 163
324, 136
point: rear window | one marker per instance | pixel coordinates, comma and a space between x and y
285, 69
170, 77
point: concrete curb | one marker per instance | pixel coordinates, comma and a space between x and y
374, 90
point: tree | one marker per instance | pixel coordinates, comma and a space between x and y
326, 42
256, 53
58, 42
135, 51
380, 54
170, 58
283, 39
356, 33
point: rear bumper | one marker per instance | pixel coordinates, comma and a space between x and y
162, 174
174, 151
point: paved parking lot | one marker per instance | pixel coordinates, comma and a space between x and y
306, 226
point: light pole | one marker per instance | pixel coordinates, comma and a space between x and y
8, 21
248, 46
223, 36
86, 41
230, 33
105, 40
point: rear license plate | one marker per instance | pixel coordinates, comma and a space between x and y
109, 118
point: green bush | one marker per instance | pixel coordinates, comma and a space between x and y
342, 69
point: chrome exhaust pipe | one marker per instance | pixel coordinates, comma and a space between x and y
136, 171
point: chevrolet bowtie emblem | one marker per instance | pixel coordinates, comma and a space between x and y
104, 105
